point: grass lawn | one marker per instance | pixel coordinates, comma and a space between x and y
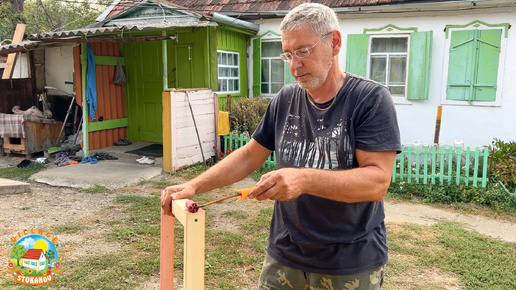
442, 256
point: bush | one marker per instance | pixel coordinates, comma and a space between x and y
503, 163
494, 196
247, 113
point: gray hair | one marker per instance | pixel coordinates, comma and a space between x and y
321, 18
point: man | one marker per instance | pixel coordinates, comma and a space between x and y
335, 136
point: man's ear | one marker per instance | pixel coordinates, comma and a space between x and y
336, 41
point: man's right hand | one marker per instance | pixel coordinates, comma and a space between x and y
175, 192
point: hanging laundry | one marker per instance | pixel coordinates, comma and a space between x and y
223, 123
91, 82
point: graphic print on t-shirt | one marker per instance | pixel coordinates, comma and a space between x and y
317, 143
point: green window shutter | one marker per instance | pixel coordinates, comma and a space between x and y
257, 66
289, 79
460, 65
356, 54
473, 65
419, 65
489, 46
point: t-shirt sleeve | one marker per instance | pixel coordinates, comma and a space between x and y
377, 125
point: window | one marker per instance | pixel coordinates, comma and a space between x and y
273, 68
270, 73
388, 63
474, 65
229, 75
397, 57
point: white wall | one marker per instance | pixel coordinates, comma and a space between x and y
185, 148
21, 68
475, 125
59, 69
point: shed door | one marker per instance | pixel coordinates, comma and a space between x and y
147, 74
184, 55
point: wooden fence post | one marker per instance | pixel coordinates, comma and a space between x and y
166, 252
194, 247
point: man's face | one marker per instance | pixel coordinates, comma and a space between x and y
310, 72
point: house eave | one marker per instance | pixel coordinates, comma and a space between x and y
116, 31
429, 7
387, 10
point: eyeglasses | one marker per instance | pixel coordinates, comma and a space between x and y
299, 53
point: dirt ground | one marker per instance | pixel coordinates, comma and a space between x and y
47, 207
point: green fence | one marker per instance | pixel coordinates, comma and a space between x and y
236, 140
437, 164
442, 164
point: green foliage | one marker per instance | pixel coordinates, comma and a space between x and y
247, 113
48, 15
503, 162
49, 254
493, 196
55, 15
18, 251
21, 173
6, 23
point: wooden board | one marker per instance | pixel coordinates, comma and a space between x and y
11, 57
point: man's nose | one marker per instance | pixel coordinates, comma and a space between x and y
295, 62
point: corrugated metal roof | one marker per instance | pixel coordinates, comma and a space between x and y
250, 7
23, 45
27, 45
254, 6
117, 28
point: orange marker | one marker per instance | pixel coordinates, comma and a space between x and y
244, 193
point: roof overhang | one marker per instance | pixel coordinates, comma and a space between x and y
115, 33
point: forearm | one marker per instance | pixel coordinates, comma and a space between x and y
354, 185
368, 182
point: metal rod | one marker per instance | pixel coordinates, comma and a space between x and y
218, 200
196, 130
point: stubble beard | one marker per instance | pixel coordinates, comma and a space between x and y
315, 82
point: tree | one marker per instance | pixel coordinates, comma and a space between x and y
50, 255
47, 15
17, 252
8, 18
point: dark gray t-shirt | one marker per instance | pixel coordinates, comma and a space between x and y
315, 234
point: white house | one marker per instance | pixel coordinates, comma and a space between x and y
454, 54
451, 54
34, 259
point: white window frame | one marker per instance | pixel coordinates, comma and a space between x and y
500, 76
397, 99
264, 40
237, 78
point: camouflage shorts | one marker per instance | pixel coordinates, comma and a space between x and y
276, 276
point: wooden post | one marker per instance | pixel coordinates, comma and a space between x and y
438, 124
11, 57
166, 253
194, 245
228, 104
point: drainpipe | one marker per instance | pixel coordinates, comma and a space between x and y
164, 60
220, 18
